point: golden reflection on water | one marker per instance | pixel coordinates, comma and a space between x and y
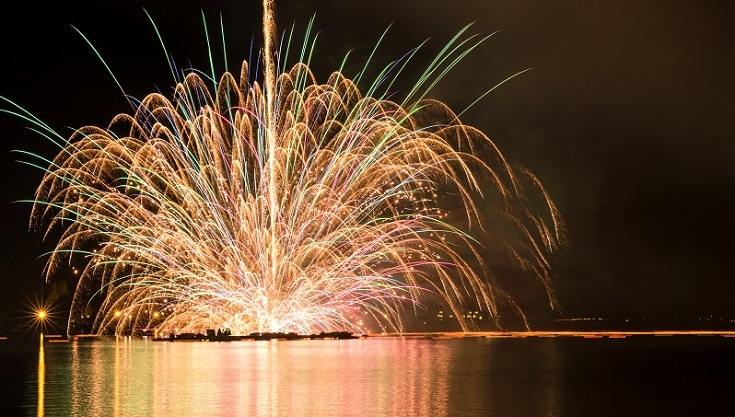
130, 377
393, 376
116, 374
390, 376
41, 378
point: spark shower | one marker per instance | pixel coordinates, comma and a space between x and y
286, 204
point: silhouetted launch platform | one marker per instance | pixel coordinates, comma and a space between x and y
226, 336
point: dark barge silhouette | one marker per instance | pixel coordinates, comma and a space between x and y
224, 335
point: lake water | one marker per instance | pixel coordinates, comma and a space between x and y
562, 376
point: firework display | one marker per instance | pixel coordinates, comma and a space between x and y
286, 205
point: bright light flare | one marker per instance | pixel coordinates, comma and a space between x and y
42, 314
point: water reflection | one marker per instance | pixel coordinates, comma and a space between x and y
129, 377
506, 377
41, 378
377, 377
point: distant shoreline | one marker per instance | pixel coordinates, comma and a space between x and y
609, 334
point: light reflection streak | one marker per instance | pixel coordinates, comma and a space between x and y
77, 385
41, 378
92, 376
264, 378
426, 385
550, 390
116, 379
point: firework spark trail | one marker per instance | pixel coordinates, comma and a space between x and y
293, 206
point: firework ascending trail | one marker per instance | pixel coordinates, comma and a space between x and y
291, 206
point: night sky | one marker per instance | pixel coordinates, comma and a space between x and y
626, 117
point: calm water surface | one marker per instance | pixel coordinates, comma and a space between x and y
640, 375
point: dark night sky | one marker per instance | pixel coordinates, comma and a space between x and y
626, 117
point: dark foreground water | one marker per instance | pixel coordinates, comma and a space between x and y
563, 376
